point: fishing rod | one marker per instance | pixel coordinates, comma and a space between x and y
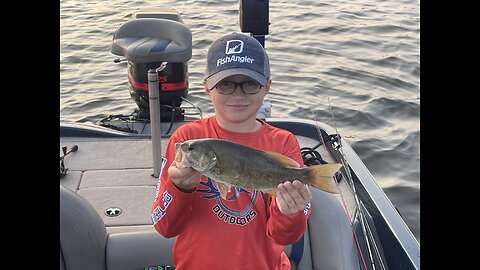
358, 209
63, 169
366, 231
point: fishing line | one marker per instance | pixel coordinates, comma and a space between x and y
357, 201
367, 233
347, 171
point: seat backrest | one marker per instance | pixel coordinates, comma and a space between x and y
138, 250
331, 241
153, 40
302, 252
83, 236
328, 241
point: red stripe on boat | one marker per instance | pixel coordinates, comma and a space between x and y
165, 86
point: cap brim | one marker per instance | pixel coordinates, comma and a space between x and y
217, 77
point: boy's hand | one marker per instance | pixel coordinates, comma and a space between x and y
183, 176
292, 197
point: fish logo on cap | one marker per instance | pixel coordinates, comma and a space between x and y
234, 46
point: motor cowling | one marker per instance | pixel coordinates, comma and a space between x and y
173, 86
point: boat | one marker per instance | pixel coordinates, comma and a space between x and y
109, 170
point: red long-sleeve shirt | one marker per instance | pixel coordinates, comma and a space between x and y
244, 232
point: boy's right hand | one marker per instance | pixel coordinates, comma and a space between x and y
183, 176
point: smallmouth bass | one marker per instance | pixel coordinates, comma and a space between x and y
231, 164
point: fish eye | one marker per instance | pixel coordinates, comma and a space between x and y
190, 147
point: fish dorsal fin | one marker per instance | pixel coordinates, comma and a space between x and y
223, 189
284, 160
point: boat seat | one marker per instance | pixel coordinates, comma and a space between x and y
146, 40
85, 244
137, 250
83, 236
328, 240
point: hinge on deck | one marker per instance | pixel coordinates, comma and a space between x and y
63, 169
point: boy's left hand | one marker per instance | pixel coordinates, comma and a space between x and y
292, 197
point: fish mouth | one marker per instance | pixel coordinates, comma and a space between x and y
181, 146
181, 155
184, 146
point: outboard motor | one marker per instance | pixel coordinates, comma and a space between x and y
173, 80
174, 86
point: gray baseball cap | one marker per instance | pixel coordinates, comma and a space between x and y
236, 54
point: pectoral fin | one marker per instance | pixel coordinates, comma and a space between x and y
284, 160
206, 162
223, 189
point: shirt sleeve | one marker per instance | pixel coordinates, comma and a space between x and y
287, 229
171, 208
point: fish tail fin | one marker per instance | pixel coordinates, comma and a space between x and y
321, 176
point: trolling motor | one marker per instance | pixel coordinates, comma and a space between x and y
63, 169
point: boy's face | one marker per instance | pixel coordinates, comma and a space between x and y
237, 107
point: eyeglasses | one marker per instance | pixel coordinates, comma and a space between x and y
228, 87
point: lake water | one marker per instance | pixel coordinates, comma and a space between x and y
361, 56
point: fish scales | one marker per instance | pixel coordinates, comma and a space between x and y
255, 170
232, 164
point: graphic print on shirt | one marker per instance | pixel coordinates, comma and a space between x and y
222, 210
164, 161
159, 212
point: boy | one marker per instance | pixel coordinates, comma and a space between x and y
250, 228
